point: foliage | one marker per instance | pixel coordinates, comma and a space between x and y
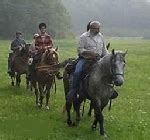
25, 15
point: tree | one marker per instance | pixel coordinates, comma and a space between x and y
25, 15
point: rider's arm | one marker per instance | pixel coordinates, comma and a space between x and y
13, 46
82, 51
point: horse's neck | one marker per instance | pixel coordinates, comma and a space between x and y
101, 70
104, 65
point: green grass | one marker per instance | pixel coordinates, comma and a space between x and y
129, 118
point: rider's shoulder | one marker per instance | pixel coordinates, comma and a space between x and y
48, 36
84, 35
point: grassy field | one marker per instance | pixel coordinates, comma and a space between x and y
129, 118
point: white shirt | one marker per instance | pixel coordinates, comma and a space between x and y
92, 43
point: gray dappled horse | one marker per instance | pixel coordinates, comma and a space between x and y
20, 66
98, 86
44, 76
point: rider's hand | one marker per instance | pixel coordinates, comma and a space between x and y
98, 57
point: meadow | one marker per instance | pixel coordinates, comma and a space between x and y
129, 118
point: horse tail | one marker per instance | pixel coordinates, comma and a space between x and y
109, 108
83, 107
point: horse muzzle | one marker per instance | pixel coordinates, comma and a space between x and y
118, 80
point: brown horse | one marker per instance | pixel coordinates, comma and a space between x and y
44, 76
20, 65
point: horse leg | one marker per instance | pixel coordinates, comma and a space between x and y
27, 82
36, 92
68, 108
98, 117
90, 110
48, 87
47, 98
77, 105
94, 125
77, 110
13, 80
41, 89
18, 80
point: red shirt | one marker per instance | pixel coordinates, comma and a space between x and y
43, 41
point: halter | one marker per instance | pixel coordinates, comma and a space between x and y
112, 70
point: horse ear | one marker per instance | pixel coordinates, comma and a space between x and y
113, 51
108, 45
124, 54
56, 49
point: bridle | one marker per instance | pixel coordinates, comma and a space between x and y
112, 71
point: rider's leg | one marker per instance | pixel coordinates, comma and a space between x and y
76, 80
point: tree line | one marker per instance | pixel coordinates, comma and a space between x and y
25, 15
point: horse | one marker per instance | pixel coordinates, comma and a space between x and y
20, 66
98, 87
44, 76
69, 64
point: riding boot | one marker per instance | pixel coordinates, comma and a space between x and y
114, 95
58, 75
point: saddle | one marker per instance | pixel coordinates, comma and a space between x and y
51, 69
70, 67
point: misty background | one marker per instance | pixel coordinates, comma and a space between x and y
68, 18
118, 17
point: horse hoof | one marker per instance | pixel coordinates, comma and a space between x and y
47, 107
105, 137
69, 122
38, 105
94, 127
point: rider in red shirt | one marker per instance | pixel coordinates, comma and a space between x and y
42, 42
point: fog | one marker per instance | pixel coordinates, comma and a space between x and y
118, 17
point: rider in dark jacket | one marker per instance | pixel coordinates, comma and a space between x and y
16, 45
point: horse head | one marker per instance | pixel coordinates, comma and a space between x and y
51, 56
25, 49
117, 67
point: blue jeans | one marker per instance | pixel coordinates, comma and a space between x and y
77, 74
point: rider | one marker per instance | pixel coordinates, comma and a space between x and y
16, 45
42, 42
32, 49
91, 46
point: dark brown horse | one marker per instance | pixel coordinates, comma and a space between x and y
20, 65
44, 76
